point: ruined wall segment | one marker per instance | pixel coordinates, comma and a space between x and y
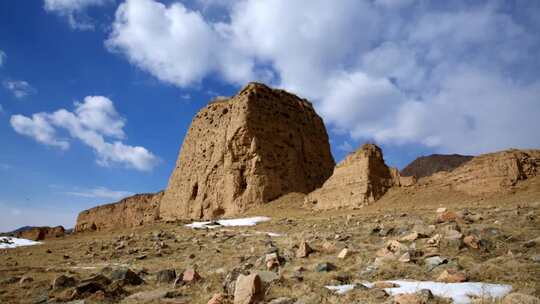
133, 211
246, 151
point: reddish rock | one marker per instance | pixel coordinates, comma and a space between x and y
303, 250
472, 241
447, 216
218, 298
190, 275
248, 289
452, 276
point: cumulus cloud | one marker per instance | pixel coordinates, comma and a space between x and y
452, 77
74, 11
19, 88
93, 122
100, 192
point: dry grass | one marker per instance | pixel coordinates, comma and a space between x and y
214, 253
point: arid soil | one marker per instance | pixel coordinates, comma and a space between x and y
484, 239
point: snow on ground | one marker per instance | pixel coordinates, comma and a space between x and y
11, 242
460, 293
248, 221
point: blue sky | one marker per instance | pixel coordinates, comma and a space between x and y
96, 95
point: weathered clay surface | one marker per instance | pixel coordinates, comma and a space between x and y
361, 178
428, 165
132, 211
489, 173
41, 233
245, 151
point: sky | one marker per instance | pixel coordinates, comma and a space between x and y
97, 95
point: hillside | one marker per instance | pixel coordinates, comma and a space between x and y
428, 165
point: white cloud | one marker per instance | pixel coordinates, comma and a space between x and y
19, 88
39, 128
453, 77
74, 11
91, 122
100, 192
3, 57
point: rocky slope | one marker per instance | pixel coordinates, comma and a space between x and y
429, 165
132, 211
489, 174
361, 178
245, 151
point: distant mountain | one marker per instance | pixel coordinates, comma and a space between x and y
18, 230
428, 165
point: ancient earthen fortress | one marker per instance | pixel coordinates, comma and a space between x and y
263, 143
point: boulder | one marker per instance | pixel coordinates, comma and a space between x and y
245, 151
248, 289
360, 179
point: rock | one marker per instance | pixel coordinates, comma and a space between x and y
361, 178
248, 289
282, 300
441, 210
409, 237
343, 254
268, 277
535, 258
166, 276
126, 276
245, 151
271, 260
230, 280
407, 299
384, 284
10, 280
325, 267
63, 281
519, 298
25, 280
190, 276
217, 298
447, 216
152, 296
472, 241
452, 276
433, 262
303, 250
405, 258
129, 212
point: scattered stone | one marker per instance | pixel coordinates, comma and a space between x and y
441, 210
407, 298
452, 276
405, 258
447, 216
433, 262
190, 276
267, 277
343, 254
63, 281
127, 276
303, 250
409, 237
519, 298
166, 276
282, 300
271, 260
325, 267
384, 284
217, 298
248, 289
472, 241
26, 279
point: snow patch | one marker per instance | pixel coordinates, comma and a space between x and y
11, 242
460, 293
248, 221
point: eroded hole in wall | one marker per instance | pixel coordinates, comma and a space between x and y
194, 191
